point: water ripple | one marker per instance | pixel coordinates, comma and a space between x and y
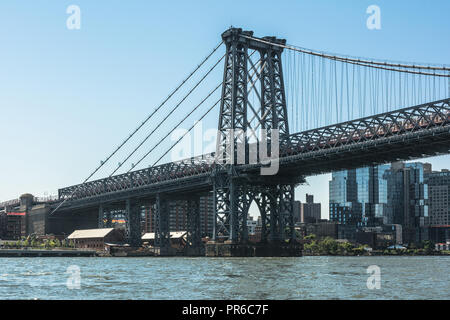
225, 278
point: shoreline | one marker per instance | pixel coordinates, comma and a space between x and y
22, 253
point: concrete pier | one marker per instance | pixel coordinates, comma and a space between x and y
46, 253
254, 250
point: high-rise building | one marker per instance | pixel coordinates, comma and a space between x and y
439, 197
12, 225
251, 225
296, 211
207, 215
310, 211
358, 196
407, 195
343, 196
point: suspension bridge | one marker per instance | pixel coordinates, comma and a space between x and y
327, 112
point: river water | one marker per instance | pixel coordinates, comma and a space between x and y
224, 278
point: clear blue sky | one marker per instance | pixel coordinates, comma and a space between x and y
68, 97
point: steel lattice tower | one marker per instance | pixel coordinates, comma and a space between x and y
233, 192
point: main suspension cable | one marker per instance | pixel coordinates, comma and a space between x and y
368, 63
102, 163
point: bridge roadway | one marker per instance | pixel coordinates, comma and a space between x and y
409, 133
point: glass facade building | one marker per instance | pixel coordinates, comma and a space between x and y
394, 194
408, 199
359, 196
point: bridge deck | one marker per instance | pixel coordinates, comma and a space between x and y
409, 133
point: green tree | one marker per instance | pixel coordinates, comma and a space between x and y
310, 237
312, 247
344, 247
328, 246
52, 243
428, 246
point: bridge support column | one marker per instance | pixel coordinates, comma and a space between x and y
221, 226
133, 223
231, 203
286, 212
108, 218
194, 238
100, 217
104, 217
162, 228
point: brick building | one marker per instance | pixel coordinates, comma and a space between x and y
96, 238
13, 225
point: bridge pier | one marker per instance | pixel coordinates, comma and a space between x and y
194, 237
162, 230
100, 217
232, 203
104, 216
133, 222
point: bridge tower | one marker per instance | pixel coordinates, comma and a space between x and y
233, 190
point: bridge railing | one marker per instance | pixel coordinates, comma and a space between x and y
425, 116
165, 172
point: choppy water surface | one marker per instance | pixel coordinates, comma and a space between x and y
225, 278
